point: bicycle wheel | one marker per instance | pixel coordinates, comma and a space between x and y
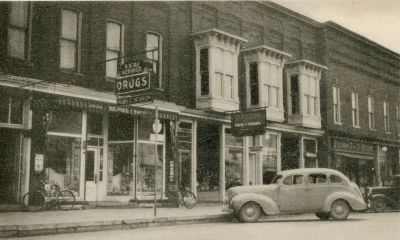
35, 199
65, 199
188, 199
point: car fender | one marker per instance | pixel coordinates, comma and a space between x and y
266, 203
356, 203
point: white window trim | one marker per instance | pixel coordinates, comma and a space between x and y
28, 36
336, 111
371, 112
398, 118
386, 116
78, 54
122, 50
160, 85
355, 112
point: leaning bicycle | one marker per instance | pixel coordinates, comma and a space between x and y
49, 197
185, 198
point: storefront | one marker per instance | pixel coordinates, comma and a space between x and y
12, 110
356, 159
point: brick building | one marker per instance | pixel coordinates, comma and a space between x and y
59, 118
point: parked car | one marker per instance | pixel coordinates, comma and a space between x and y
381, 198
325, 192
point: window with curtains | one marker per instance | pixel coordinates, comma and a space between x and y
69, 41
355, 110
337, 118
153, 45
271, 88
18, 34
371, 112
114, 48
386, 121
294, 94
310, 96
254, 98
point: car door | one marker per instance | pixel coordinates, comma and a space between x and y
317, 190
291, 194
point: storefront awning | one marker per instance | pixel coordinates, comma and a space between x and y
355, 155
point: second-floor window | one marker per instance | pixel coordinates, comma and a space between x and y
294, 94
224, 72
386, 121
69, 40
271, 88
153, 45
336, 105
204, 85
355, 110
18, 30
371, 112
311, 97
114, 48
254, 98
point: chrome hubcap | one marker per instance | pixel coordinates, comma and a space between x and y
250, 211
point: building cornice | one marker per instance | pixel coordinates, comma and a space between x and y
220, 34
267, 50
306, 63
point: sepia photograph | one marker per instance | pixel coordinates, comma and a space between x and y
200, 120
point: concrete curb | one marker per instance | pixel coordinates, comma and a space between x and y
61, 228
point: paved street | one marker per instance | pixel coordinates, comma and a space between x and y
359, 226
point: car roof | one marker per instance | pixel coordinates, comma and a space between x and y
311, 170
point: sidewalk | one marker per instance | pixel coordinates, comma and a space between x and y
19, 224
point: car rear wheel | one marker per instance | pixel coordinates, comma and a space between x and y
323, 215
340, 210
250, 212
379, 205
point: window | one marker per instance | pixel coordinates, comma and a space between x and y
18, 30
269, 155
204, 85
233, 160
254, 98
294, 94
224, 72
153, 45
11, 110
294, 180
355, 109
386, 121
317, 178
311, 96
114, 48
69, 40
337, 118
398, 118
371, 110
271, 88
335, 179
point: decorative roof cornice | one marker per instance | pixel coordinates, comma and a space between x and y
306, 63
220, 35
267, 50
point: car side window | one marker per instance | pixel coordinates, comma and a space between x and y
317, 178
335, 179
294, 180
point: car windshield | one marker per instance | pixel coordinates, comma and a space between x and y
276, 179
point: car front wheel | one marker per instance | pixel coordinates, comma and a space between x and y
340, 210
379, 205
250, 212
323, 215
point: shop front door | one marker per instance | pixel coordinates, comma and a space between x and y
92, 174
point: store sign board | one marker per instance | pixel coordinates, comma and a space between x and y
351, 146
249, 123
133, 99
133, 83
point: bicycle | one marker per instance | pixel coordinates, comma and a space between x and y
48, 196
185, 198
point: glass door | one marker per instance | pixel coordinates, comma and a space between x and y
92, 174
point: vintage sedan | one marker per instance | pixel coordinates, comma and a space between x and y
325, 192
